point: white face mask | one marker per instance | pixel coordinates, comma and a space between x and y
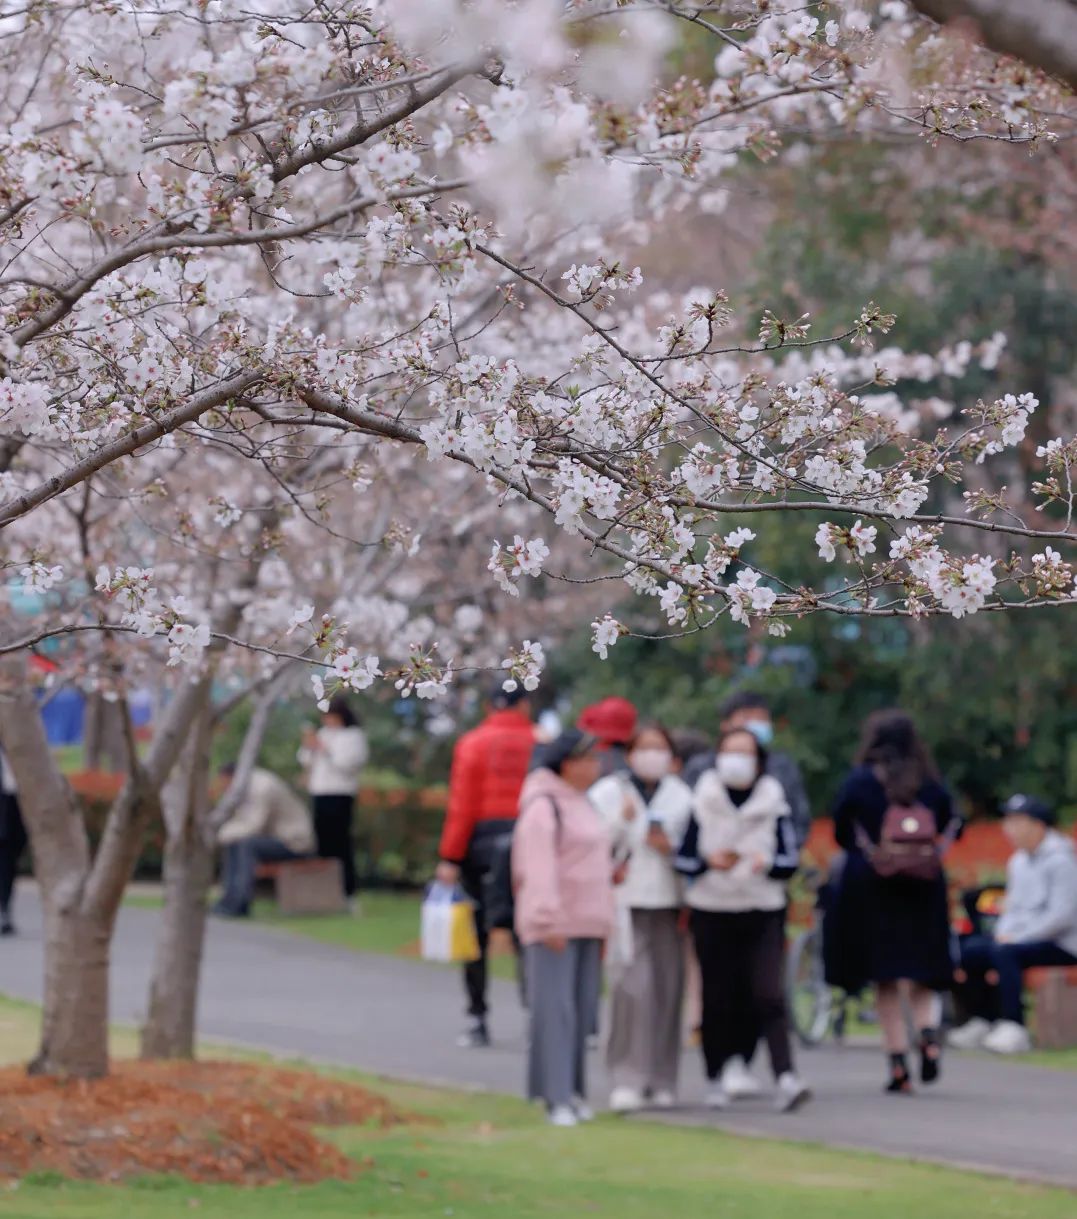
651, 765
737, 770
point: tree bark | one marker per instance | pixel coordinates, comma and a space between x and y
1041, 32
74, 1025
171, 1020
103, 735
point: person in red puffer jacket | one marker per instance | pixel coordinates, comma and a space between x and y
489, 766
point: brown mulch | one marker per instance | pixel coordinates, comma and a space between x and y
205, 1121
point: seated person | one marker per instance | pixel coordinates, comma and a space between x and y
1038, 927
271, 824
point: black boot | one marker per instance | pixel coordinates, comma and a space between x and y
900, 1080
930, 1055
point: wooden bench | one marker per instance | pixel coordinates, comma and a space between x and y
1055, 992
306, 886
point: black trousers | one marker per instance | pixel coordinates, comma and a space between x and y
473, 881
752, 1033
981, 955
742, 966
12, 845
333, 830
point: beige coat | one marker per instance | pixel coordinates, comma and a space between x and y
651, 882
750, 830
270, 809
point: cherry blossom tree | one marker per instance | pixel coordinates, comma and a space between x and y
419, 232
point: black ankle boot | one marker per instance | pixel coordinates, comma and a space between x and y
900, 1080
930, 1055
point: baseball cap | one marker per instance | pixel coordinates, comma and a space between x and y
1029, 806
502, 699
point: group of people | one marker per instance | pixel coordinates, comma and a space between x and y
664, 858
624, 838
628, 840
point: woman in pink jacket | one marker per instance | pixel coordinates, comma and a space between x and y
562, 876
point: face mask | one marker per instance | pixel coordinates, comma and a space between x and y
651, 764
737, 770
762, 730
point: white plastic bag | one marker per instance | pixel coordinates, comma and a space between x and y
447, 926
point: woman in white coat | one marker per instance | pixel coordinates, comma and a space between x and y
333, 758
647, 809
738, 913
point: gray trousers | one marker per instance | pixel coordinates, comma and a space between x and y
644, 1047
562, 993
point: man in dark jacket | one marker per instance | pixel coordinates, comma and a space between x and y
751, 711
489, 766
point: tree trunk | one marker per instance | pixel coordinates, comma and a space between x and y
169, 1031
74, 1025
103, 747
191, 829
171, 1021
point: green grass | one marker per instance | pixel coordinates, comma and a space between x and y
387, 923
493, 1158
487, 1157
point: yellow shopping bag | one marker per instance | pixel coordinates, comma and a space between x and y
448, 925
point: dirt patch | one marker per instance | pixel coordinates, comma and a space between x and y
206, 1121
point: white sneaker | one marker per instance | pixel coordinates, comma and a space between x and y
582, 1110
970, 1036
663, 1099
1008, 1037
562, 1115
738, 1081
625, 1100
717, 1097
792, 1093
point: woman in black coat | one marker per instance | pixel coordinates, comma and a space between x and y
892, 932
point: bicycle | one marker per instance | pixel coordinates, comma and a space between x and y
816, 1009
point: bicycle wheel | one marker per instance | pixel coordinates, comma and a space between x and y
811, 1000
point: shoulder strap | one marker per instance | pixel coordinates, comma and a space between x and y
865, 843
950, 834
553, 804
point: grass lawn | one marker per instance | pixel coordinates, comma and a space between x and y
483, 1157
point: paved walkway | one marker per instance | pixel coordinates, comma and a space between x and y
277, 992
